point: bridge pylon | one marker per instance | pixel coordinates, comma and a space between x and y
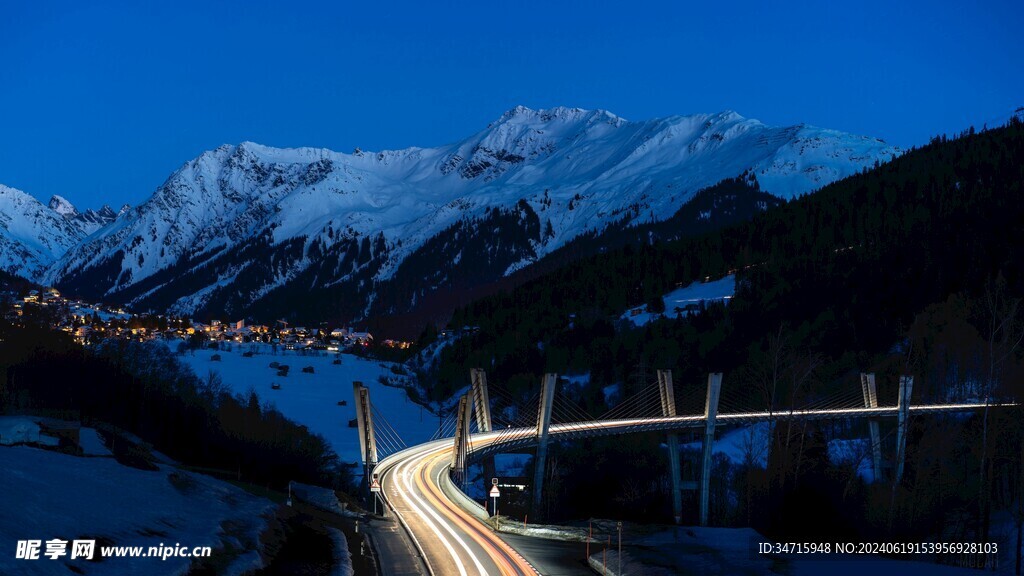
481, 399
668, 409
367, 435
902, 415
867, 385
461, 447
482, 411
547, 398
710, 415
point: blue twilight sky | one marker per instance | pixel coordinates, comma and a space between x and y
101, 101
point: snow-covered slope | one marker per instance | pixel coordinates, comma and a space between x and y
62, 206
88, 221
51, 495
248, 225
311, 399
32, 236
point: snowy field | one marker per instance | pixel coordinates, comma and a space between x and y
677, 300
103, 314
312, 399
740, 445
49, 495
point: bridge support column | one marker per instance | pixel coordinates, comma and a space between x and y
481, 399
668, 409
482, 411
547, 398
461, 446
867, 386
710, 414
902, 414
367, 435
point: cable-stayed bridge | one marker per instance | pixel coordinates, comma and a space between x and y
421, 483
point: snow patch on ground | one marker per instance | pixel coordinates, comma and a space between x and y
342, 556
312, 399
91, 443
51, 495
322, 498
104, 315
681, 301
578, 380
22, 430
750, 443
612, 394
548, 532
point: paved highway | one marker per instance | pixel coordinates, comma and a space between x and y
448, 528
451, 539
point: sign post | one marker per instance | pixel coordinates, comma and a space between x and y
495, 493
618, 526
375, 490
590, 535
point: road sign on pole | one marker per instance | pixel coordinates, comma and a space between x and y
375, 491
495, 493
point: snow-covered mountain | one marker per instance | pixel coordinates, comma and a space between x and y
88, 221
62, 206
32, 236
249, 229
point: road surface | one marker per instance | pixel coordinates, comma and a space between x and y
452, 540
448, 529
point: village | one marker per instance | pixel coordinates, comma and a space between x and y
89, 323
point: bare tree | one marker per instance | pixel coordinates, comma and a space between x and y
781, 374
1004, 332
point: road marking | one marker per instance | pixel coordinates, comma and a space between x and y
423, 469
426, 510
458, 562
499, 551
494, 544
405, 525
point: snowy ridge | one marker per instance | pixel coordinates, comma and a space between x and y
62, 206
241, 222
88, 221
32, 236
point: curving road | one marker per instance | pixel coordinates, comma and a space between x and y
448, 528
451, 539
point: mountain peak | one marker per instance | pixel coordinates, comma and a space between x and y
351, 222
62, 206
729, 116
32, 236
16, 195
522, 114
